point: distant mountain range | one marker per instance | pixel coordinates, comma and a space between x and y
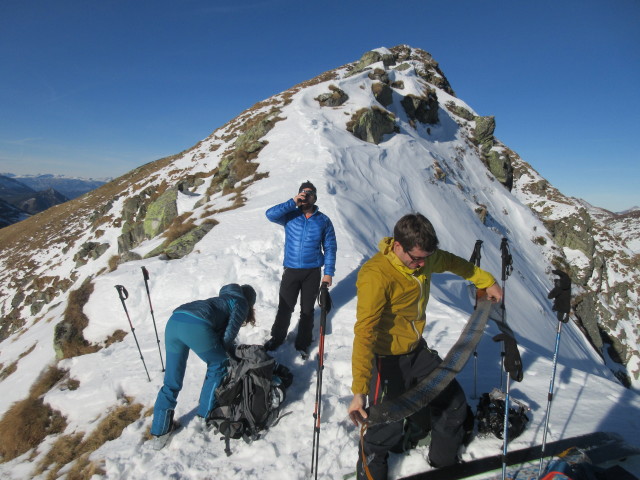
25, 195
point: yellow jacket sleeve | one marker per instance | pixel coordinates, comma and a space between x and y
371, 302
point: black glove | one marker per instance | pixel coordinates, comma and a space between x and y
512, 360
561, 293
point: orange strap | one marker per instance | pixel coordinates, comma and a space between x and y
363, 429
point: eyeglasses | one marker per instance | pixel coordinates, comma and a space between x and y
418, 259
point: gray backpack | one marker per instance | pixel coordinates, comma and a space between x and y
250, 397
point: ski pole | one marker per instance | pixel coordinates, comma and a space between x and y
561, 293
507, 268
513, 367
145, 274
505, 430
475, 259
324, 300
123, 294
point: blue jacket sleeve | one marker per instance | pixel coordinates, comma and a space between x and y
329, 247
239, 308
278, 213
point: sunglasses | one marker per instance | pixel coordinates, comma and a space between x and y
308, 192
417, 259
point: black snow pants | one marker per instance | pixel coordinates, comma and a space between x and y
303, 281
392, 376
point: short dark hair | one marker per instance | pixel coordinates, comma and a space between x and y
306, 185
415, 230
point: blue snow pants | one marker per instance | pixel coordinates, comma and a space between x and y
182, 334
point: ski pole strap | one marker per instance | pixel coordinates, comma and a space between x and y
476, 255
512, 360
507, 259
365, 467
429, 387
561, 295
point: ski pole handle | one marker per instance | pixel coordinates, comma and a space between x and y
145, 273
122, 293
323, 295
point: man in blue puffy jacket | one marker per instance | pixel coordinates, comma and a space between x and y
310, 243
209, 328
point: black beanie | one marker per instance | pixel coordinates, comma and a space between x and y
307, 185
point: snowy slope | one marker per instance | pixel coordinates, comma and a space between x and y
364, 189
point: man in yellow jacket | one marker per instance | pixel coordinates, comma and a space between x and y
390, 355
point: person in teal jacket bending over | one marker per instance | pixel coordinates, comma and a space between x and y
209, 328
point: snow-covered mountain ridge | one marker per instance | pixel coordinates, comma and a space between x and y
59, 270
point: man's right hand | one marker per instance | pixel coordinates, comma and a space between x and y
356, 409
300, 199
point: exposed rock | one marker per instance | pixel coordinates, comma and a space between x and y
383, 93
237, 165
500, 165
372, 124
256, 132
495, 156
574, 232
89, 250
483, 133
101, 212
128, 256
335, 98
403, 66
605, 272
184, 245
189, 183
17, 299
161, 213
423, 109
461, 112
586, 309
132, 236
379, 75
388, 60
367, 59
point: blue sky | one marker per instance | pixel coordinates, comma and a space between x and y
97, 88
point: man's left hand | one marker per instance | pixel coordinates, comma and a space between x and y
327, 279
494, 293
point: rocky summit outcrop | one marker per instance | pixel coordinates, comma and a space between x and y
372, 124
600, 251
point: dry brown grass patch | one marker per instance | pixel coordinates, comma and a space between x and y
180, 226
27, 422
68, 333
78, 447
5, 372
12, 367
116, 336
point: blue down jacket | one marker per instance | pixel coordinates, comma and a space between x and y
309, 242
226, 312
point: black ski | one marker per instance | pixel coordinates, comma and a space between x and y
487, 464
428, 388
